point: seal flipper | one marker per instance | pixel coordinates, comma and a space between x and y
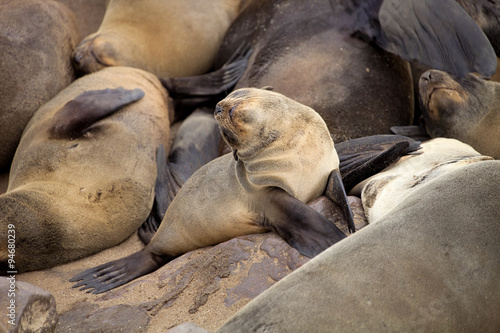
193, 91
416, 132
79, 114
335, 191
118, 272
298, 224
161, 201
364, 157
439, 34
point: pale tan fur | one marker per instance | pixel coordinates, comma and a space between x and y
168, 38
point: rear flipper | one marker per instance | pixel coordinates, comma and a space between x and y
364, 157
195, 91
196, 143
298, 224
118, 272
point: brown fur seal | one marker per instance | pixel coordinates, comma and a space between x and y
311, 52
283, 157
37, 39
167, 38
430, 264
74, 188
467, 109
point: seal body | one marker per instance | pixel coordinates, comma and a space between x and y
382, 192
431, 264
167, 38
37, 39
278, 143
72, 194
467, 109
303, 52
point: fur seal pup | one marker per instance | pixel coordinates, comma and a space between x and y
429, 264
436, 157
167, 38
467, 109
37, 39
283, 156
311, 52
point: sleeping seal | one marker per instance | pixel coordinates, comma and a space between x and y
83, 175
283, 157
467, 109
167, 38
430, 264
436, 157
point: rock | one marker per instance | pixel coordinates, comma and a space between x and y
88, 317
187, 328
333, 212
25, 307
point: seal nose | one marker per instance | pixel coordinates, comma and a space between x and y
218, 109
427, 76
77, 58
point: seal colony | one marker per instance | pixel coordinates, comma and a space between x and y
83, 176
283, 156
327, 55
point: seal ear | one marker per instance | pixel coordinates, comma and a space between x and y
439, 34
267, 88
79, 114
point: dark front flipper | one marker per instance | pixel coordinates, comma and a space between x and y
161, 202
364, 157
195, 91
298, 224
416, 132
118, 272
79, 114
335, 191
439, 34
